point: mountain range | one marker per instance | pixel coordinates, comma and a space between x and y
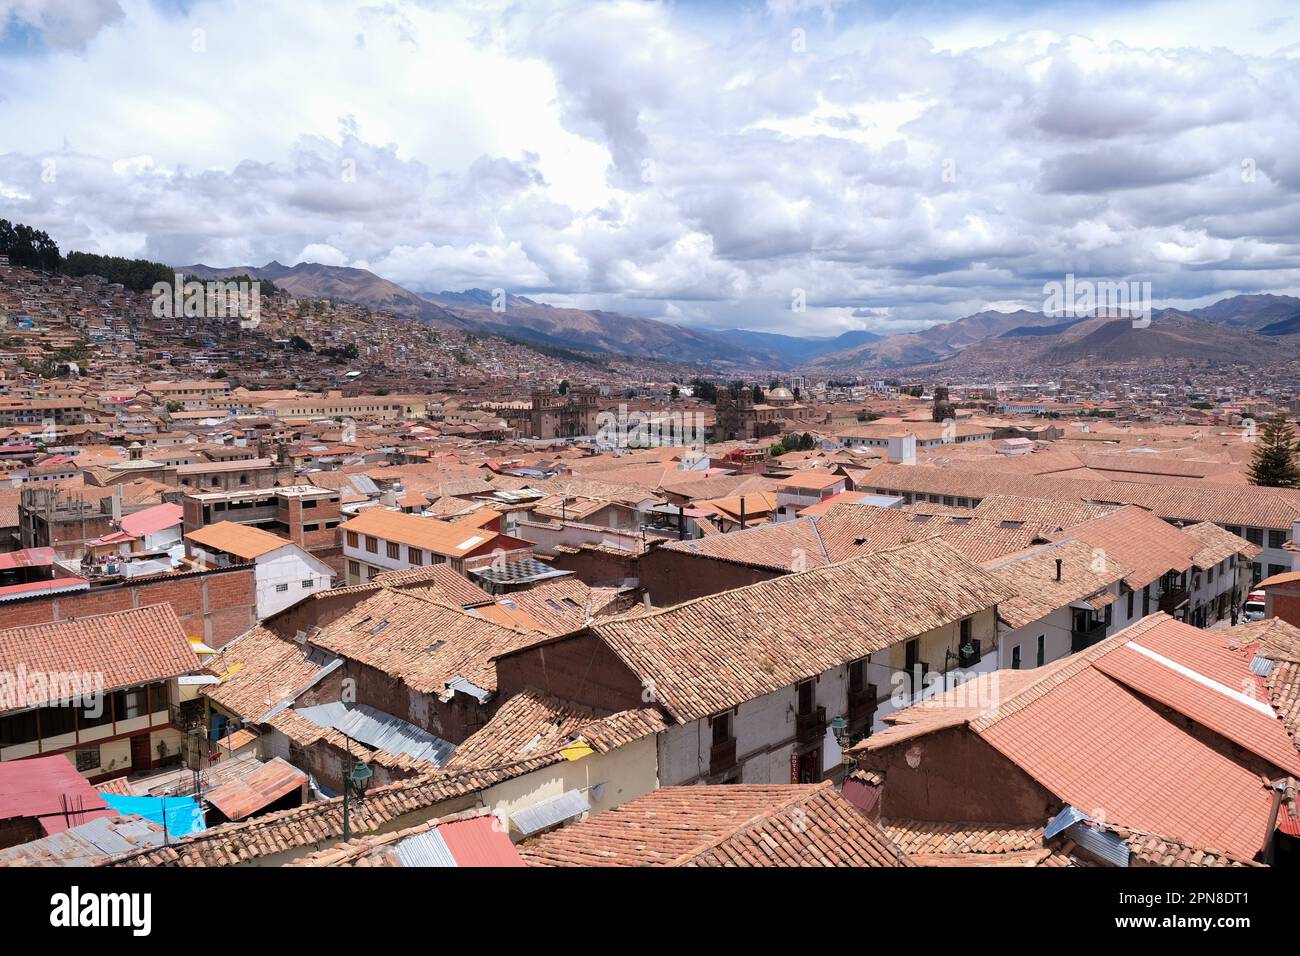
1259, 329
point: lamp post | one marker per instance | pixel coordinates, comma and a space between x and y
354, 781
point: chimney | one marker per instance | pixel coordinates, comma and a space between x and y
902, 449
1058, 568
681, 523
742, 512
117, 506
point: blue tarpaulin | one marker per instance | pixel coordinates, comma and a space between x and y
183, 814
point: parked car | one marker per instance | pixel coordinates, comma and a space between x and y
1254, 610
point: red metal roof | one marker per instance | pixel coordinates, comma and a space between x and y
27, 558
269, 782
35, 787
151, 520
480, 841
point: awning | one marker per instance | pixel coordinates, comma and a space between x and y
1099, 600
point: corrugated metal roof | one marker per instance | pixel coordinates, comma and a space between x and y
267, 783
547, 813
424, 849
1111, 847
84, 845
377, 729
1066, 818
1261, 666
480, 841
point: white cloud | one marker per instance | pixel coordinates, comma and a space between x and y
665, 159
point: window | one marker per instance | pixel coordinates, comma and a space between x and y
1130, 604
310, 503
806, 697
354, 569
281, 588
857, 676
1146, 600
1041, 658
965, 630
88, 759
18, 729
372, 545
1255, 535
352, 540
415, 556
307, 528
307, 583
1015, 658
721, 727
394, 550
1277, 539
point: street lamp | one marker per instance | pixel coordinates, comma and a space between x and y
354, 781
840, 728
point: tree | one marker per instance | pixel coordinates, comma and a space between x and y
675, 393
1274, 464
758, 395
704, 391
564, 386
776, 451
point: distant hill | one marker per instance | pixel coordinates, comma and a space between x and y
316, 281
1024, 336
790, 351
1213, 333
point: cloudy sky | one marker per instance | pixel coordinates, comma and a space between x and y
902, 163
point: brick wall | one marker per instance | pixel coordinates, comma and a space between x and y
957, 777
593, 566
671, 577
215, 605
580, 668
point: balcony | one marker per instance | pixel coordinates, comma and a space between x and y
1087, 637
811, 727
862, 710
1172, 600
722, 757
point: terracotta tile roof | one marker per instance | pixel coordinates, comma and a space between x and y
430, 534
421, 642
313, 823
1044, 512
1207, 681
1032, 574
261, 671
1226, 505
441, 580
127, 648
485, 844
737, 825
1144, 543
242, 540
1218, 545
562, 605
532, 728
915, 836
1095, 743
715, 652
774, 546
809, 480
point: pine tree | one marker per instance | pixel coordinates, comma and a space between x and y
1274, 464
